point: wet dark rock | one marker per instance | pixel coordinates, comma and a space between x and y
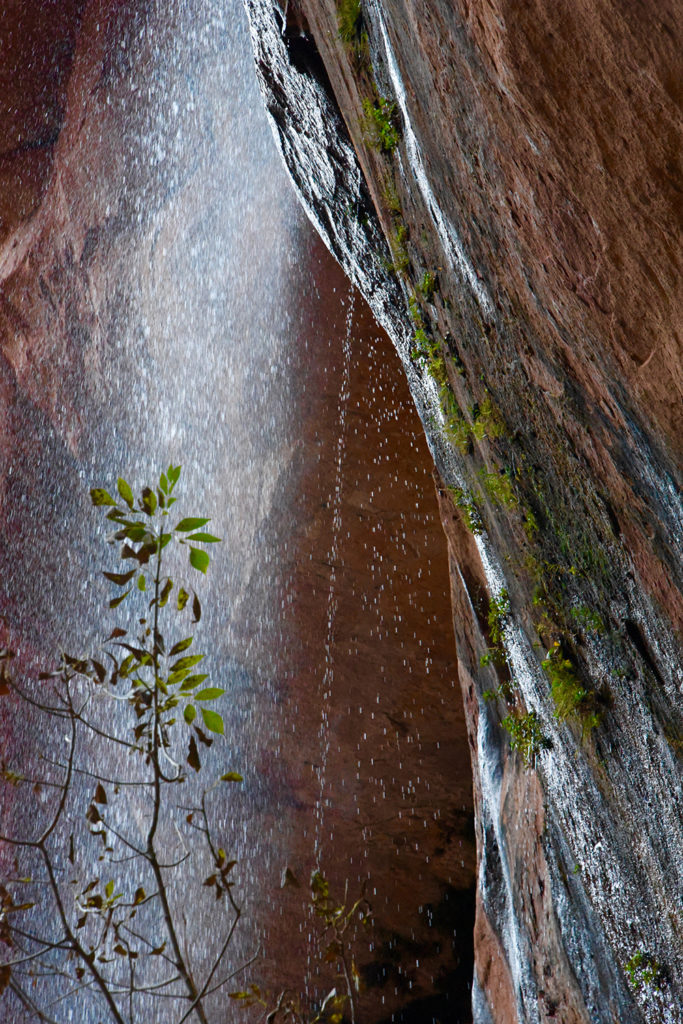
537, 175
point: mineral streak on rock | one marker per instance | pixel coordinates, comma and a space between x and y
531, 208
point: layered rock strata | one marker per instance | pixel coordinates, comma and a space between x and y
502, 183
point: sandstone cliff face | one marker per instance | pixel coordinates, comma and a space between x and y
536, 177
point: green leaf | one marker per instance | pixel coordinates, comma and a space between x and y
142, 583
177, 677
182, 599
109, 890
163, 483
205, 538
173, 474
182, 645
232, 777
164, 540
136, 532
189, 713
117, 600
125, 491
187, 662
149, 501
120, 578
199, 559
185, 525
165, 591
196, 609
99, 496
213, 721
192, 681
210, 693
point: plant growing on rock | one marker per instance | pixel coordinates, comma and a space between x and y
378, 124
526, 735
427, 285
569, 695
499, 489
399, 249
498, 613
349, 20
468, 508
643, 970
351, 30
488, 421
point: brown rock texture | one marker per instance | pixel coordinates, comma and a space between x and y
535, 176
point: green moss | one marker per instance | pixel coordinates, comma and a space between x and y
488, 421
415, 311
399, 249
457, 429
349, 20
588, 618
390, 196
643, 970
530, 525
378, 124
499, 489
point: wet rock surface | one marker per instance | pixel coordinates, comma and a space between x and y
535, 179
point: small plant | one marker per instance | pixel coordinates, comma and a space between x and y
530, 525
493, 656
458, 431
499, 489
377, 124
350, 21
399, 249
643, 970
390, 196
436, 368
469, 510
499, 610
427, 285
569, 695
589, 619
415, 311
526, 735
488, 422
425, 347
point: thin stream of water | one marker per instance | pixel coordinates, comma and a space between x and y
334, 555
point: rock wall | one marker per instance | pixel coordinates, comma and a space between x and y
518, 238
